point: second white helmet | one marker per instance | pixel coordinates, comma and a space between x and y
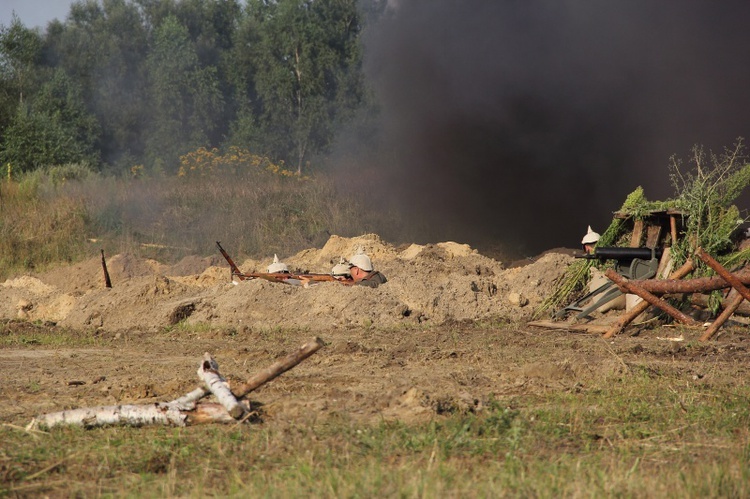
341, 269
277, 266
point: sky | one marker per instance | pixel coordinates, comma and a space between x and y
34, 13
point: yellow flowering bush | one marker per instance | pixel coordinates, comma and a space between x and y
206, 162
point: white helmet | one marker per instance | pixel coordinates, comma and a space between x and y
277, 267
591, 237
362, 261
341, 269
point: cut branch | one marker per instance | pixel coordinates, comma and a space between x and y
722, 318
279, 367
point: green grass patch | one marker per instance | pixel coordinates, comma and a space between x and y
634, 438
21, 333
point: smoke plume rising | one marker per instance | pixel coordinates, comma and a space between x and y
522, 122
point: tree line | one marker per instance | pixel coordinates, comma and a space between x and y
121, 83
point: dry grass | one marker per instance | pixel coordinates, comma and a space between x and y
45, 222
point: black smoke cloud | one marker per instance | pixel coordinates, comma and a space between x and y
522, 122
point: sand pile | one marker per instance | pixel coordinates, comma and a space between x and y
430, 284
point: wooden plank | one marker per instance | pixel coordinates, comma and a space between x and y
635, 239
586, 328
653, 234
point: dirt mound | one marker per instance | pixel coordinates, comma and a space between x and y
427, 284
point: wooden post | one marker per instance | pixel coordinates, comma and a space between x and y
673, 228
630, 316
650, 298
107, 281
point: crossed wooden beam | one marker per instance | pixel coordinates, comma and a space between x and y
648, 289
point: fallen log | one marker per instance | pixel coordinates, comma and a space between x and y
215, 382
586, 328
278, 367
641, 307
632, 287
185, 410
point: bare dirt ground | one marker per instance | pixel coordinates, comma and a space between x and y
447, 333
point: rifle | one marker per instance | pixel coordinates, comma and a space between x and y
276, 276
235, 270
284, 276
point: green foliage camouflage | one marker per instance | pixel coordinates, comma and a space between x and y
705, 192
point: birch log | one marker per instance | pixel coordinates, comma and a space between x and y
182, 411
208, 371
133, 415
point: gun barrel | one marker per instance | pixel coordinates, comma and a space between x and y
622, 254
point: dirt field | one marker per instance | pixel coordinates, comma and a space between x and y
446, 333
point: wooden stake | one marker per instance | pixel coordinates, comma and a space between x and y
702, 301
722, 318
641, 307
107, 281
649, 297
744, 293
